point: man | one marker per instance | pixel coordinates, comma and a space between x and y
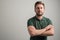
39, 27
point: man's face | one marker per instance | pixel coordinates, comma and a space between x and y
39, 9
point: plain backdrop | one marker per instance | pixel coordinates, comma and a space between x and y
15, 13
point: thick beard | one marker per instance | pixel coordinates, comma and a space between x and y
39, 14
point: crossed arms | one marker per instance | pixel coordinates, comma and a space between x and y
47, 31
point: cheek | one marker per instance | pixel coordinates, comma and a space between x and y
36, 10
42, 10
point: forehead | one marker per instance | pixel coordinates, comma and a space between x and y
39, 5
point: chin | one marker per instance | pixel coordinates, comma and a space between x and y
39, 14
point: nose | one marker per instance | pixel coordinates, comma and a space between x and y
39, 9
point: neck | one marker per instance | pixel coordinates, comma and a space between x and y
39, 17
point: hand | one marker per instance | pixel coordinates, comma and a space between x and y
48, 27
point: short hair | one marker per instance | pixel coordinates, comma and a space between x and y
39, 2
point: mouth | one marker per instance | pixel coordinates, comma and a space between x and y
39, 14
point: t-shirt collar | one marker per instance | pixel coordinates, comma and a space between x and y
38, 19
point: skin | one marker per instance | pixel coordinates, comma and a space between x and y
47, 31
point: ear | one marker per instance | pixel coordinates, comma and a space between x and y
34, 9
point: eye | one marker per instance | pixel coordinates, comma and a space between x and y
41, 8
37, 7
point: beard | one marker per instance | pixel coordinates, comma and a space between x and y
39, 14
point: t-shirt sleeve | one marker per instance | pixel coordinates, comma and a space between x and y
29, 23
49, 22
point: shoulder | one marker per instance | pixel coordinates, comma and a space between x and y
30, 21
47, 19
32, 18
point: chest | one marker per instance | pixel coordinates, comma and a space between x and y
40, 24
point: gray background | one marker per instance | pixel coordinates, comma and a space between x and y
15, 13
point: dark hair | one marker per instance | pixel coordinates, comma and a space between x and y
39, 2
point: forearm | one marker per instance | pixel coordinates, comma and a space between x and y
38, 32
47, 33
49, 30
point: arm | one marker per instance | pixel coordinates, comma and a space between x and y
49, 31
33, 32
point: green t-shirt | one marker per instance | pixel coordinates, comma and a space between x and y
39, 24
